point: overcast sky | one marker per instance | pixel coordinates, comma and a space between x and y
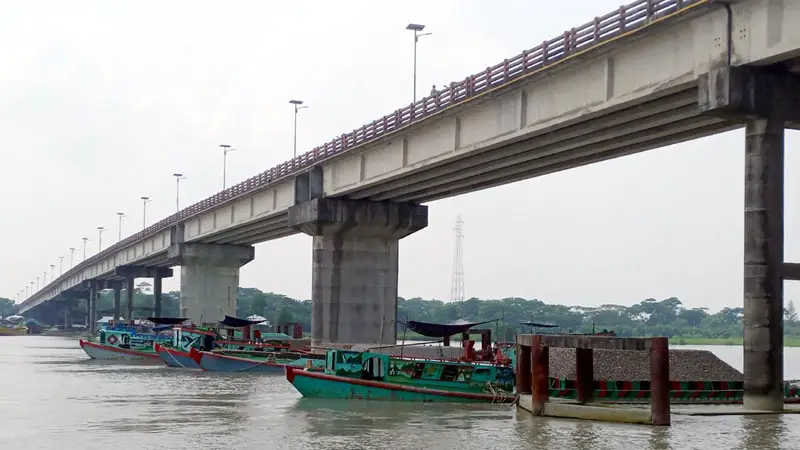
100, 102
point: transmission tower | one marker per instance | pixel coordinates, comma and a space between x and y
457, 284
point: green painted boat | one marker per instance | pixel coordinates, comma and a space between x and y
376, 376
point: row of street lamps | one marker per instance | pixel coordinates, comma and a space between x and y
298, 105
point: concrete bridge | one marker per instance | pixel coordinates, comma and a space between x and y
653, 73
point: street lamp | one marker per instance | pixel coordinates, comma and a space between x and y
297, 107
99, 238
71, 257
145, 201
37, 283
60, 265
121, 216
52, 272
178, 178
225, 149
85, 240
416, 28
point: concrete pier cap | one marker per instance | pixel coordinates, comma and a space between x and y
342, 217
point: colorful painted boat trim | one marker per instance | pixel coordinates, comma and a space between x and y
109, 352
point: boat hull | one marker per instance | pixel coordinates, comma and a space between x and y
321, 385
107, 352
212, 362
175, 358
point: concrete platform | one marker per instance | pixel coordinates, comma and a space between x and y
638, 413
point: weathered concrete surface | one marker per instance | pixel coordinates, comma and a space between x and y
209, 279
355, 255
765, 99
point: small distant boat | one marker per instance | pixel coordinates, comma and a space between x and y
376, 376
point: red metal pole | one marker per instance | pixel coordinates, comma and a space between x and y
584, 366
540, 373
524, 380
659, 381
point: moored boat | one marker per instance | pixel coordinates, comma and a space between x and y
377, 376
254, 361
7, 330
122, 343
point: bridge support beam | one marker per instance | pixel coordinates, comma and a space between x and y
117, 300
157, 295
764, 99
94, 293
209, 279
355, 256
156, 273
129, 299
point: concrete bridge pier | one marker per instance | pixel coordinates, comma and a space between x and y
355, 256
209, 279
764, 99
133, 272
117, 286
94, 293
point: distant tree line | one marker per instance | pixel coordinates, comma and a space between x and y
650, 317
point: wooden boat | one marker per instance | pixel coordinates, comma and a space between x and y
9, 330
235, 339
122, 343
376, 376
255, 361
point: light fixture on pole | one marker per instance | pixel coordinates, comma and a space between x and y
52, 272
60, 265
37, 284
225, 149
297, 107
145, 201
85, 240
416, 28
99, 238
71, 257
121, 216
178, 178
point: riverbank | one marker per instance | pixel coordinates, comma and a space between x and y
788, 341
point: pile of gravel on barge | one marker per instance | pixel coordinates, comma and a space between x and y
619, 365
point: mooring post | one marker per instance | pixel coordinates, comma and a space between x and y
584, 366
659, 381
524, 380
540, 373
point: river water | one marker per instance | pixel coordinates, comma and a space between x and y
54, 397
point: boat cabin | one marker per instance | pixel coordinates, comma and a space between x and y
115, 337
381, 367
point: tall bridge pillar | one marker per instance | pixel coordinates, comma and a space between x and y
131, 273
209, 279
764, 99
355, 256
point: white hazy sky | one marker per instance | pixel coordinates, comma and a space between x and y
100, 102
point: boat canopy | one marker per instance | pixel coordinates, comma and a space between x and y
540, 325
441, 330
236, 322
167, 320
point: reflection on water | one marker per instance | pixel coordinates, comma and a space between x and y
54, 398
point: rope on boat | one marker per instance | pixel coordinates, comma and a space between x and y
498, 395
176, 360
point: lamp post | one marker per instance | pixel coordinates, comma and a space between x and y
416, 28
37, 283
99, 238
178, 178
60, 265
225, 149
44, 278
297, 107
52, 272
71, 257
121, 216
85, 240
145, 201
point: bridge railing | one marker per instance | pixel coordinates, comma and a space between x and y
603, 29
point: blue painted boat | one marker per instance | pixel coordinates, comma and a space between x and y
174, 357
269, 362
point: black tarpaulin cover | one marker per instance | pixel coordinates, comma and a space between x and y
440, 330
167, 320
236, 322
